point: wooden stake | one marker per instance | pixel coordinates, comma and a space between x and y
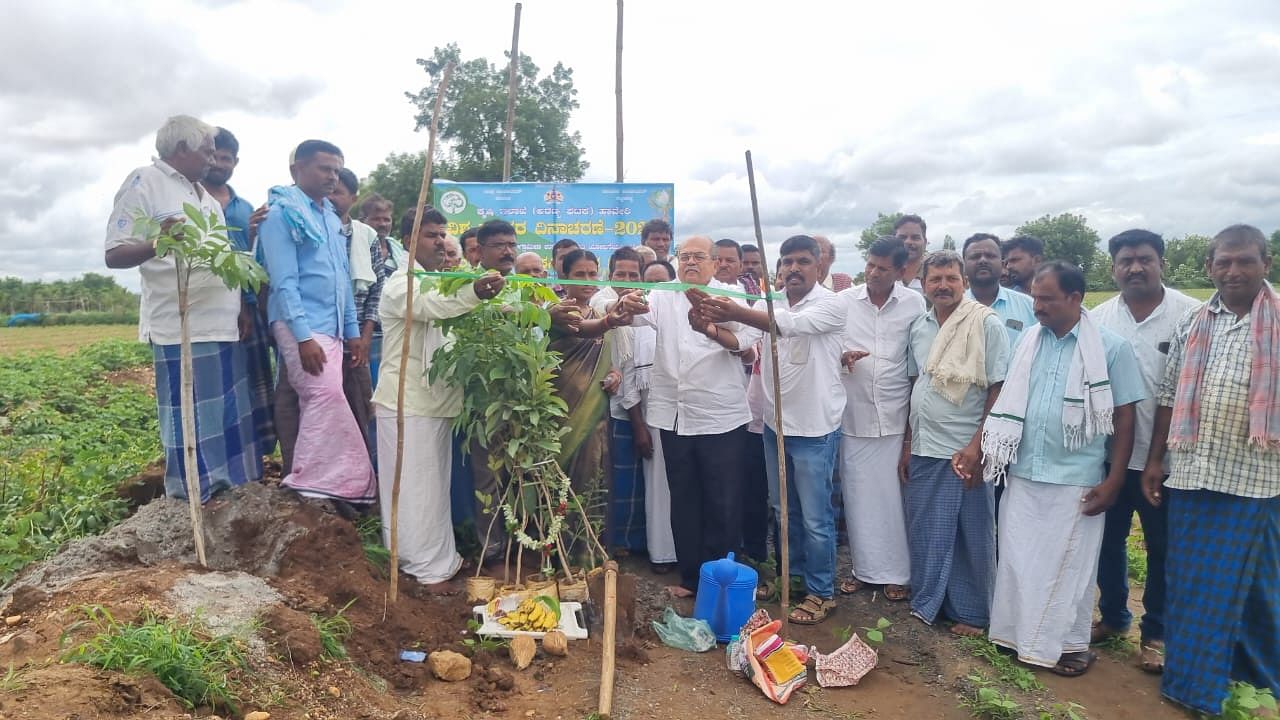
610, 635
784, 564
408, 326
513, 75
187, 408
617, 91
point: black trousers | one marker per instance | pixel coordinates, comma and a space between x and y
755, 499
704, 473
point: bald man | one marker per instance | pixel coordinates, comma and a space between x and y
834, 282
530, 263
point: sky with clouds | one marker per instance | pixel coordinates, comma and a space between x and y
1162, 114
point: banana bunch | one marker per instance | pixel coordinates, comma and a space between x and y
531, 615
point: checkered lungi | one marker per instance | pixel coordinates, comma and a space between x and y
257, 351
626, 495
953, 544
226, 451
1222, 616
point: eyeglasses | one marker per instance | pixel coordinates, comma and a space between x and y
693, 258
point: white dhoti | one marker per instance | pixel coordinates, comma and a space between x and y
425, 531
1048, 562
657, 505
874, 514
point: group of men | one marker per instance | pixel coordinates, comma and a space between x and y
990, 437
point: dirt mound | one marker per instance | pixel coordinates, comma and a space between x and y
75, 691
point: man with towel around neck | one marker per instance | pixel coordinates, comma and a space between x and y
1071, 384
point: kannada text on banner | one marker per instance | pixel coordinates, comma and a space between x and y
600, 217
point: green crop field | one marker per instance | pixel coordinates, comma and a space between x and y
1094, 299
61, 339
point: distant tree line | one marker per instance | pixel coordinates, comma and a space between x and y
90, 299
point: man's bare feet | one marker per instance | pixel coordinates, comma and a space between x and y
679, 591
966, 630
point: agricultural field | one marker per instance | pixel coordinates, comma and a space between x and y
60, 338
1097, 297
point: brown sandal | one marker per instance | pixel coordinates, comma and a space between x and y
851, 586
814, 609
896, 593
1152, 658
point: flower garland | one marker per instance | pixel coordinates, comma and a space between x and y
558, 514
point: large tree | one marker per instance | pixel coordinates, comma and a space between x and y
1066, 237
882, 226
474, 115
1184, 259
398, 179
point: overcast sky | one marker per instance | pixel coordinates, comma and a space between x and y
978, 115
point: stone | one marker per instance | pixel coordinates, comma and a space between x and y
12, 620
258, 715
449, 666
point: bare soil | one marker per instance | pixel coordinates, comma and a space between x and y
314, 561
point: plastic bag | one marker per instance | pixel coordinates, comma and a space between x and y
684, 633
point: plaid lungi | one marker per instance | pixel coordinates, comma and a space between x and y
257, 351
1222, 617
226, 452
952, 535
626, 496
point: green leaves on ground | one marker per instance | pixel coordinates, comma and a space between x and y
70, 432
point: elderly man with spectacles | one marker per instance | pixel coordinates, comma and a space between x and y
697, 401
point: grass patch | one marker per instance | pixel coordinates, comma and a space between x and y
12, 680
1007, 671
1136, 553
989, 702
333, 632
370, 529
1061, 711
196, 667
1119, 645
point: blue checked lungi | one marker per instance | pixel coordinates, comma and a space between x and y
226, 452
1222, 617
257, 351
626, 494
952, 536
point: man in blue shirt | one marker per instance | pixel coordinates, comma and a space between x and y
982, 267
1070, 385
312, 311
255, 336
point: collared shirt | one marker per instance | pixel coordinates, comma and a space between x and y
620, 349
1222, 460
696, 384
939, 427
810, 339
1151, 340
421, 397
159, 192
914, 284
364, 239
878, 391
310, 286
1014, 309
1043, 455
237, 212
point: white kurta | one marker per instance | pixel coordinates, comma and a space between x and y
1045, 576
874, 513
657, 505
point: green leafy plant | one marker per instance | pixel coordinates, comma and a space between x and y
1062, 711
1136, 554
501, 359
196, 242
1246, 702
196, 667
478, 642
1006, 670
875, 635
989, 702
333, 632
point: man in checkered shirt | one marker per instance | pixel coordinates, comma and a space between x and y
1220, 417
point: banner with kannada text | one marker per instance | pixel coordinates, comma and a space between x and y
600, 217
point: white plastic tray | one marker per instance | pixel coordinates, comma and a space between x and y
572, 624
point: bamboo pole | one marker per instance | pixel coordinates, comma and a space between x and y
187, 408
610, 635
513, 75
784, 564
408, 327
617, 92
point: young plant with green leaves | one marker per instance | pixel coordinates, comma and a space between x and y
1246, 702
501, 359
989, 702
197, 242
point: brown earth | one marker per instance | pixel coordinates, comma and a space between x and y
315, 562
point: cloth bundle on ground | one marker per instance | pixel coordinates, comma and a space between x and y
847, 665
777, 666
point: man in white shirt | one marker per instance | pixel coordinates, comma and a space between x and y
697, 400
878, 392
810, 327
1147, 314
226, 447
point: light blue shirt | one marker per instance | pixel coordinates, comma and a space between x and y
310, 283
1015, 310
1042, 454
939, 427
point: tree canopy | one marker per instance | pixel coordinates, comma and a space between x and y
91, 292
883, 225
1065, 237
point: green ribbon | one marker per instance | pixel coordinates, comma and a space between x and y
671, 286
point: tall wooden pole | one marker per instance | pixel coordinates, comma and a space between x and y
607, 667
617, 92
513, 74
408, 328
784, 562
